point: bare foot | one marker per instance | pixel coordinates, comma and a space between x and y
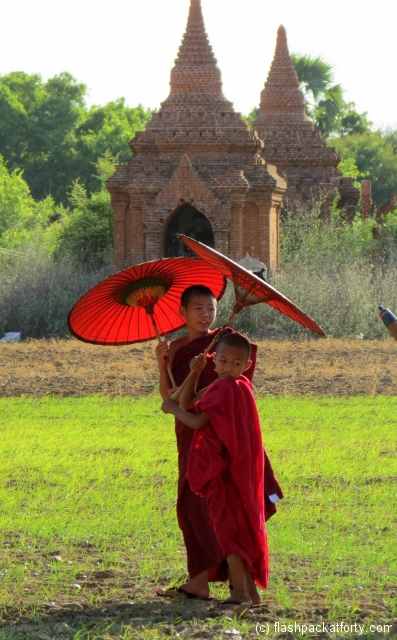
252, 590
240, 596
197, 585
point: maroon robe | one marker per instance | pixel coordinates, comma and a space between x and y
226, 466
202, 548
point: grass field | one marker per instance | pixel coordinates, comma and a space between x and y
88, 527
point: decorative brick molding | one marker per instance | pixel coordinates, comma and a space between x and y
196, 152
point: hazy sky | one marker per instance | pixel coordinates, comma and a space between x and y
127, 47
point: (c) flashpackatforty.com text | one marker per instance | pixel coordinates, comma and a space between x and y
322, 627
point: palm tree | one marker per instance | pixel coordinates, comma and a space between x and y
324, 99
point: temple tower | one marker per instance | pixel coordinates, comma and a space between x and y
291, 141
196, 169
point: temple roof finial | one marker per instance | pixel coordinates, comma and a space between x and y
282, 96
282, 38
195, 69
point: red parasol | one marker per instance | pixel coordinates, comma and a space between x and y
249, 289
140, 303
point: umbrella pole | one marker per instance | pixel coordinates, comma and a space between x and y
177, 393
160, 339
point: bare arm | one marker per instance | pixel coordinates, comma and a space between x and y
162, 355
195, 398
189, 419
189, 396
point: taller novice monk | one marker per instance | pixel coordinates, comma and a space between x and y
205, 560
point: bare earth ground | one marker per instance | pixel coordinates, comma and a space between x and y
337, 367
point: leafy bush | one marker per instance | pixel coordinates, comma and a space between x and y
37, 292
335, 272
86, 230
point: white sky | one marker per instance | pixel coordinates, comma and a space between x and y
126, 48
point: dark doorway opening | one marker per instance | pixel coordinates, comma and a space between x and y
191, 222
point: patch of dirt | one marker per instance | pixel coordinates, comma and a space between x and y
335, 367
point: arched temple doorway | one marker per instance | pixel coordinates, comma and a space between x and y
191, 222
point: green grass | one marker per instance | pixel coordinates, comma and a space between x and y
92, 481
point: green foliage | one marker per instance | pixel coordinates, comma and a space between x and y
334, 271
41, 140
107, 129
375, 155
249, 119
324, 99
22, 219
350, 121
86, 230
325, 104
47, 131
350, 170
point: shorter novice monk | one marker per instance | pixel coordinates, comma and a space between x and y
226, 464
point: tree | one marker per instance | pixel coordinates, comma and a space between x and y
324, 99
375, 155
107, 130
37, 134
350, 121
249, 119
47, 131
22, 220
86, 233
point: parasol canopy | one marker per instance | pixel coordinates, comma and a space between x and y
141, 302
249, 288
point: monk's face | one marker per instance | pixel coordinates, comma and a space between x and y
231, 362
199, 314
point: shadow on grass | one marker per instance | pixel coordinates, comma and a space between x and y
161, 618
120, 620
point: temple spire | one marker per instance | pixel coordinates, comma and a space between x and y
195, 69
282, 96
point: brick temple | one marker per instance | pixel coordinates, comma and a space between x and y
291, 141
198, 170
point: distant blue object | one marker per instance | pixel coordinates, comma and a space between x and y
390, 320
261, 274
12, 336
386, 315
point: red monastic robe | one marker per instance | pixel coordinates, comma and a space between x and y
226, 465
202, 548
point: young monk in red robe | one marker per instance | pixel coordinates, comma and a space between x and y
226, 464
204, 556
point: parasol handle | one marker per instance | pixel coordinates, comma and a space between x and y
213, 342
221, 330
160, 339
